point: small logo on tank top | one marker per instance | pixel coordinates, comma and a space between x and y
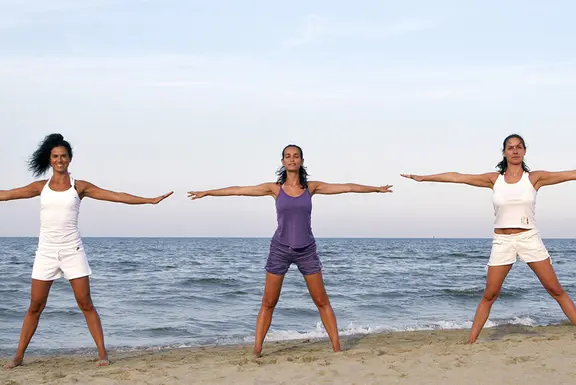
525, 220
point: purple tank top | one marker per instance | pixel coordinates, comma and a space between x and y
293, 215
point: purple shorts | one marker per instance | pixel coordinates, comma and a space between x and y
281, 257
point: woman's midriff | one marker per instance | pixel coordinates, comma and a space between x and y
510, 231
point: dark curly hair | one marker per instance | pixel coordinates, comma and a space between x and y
39, 162
302, 173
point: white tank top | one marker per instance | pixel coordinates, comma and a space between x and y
59, 218
514, 203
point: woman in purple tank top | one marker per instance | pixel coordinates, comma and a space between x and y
293, 240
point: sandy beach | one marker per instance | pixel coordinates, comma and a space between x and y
503, 355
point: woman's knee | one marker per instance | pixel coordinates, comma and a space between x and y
269, 302
85, 304
554, 289
490, 295
36, 307
321, 300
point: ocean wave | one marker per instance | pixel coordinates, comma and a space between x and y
352, 329
210, 282
477, 292
164, 331
209, 291
318, 332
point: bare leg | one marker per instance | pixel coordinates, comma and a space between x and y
81, 288
545, 273
38, 299
494, 281
272, 290
317, 291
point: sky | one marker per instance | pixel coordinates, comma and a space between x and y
177, 95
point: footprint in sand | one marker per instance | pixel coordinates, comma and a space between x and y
520, 359
309, 359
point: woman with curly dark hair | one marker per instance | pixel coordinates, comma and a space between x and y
60, 250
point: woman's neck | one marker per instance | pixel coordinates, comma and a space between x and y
292, 179
514, 170
60, 177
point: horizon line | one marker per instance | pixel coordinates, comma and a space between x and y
260, 237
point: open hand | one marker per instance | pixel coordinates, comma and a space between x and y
385, 189
196, 194
417, 178
161, 198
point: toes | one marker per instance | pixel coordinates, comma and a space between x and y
12, 364
103, 363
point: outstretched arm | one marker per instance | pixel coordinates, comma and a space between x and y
342, 188
547, 178
477, 180
86, 189
30, 191
260, 190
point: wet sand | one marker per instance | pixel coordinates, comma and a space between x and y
503, 355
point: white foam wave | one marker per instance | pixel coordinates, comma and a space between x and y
353, 329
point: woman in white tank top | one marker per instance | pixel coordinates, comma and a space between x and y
515, 231
60, 251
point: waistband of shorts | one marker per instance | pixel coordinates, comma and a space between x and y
521, 235
274, 242
64, 247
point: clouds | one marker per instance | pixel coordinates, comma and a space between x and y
27, 13
262, 76
196, 93
316, 29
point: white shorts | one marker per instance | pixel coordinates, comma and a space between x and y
527, 245
55, 263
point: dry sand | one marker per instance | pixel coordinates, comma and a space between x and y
503, 355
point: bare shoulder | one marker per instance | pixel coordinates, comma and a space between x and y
38, 185
492, 176
273, 187
82, 185
536, 175
80, 182
313, 185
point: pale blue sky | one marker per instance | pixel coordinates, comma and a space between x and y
179, 95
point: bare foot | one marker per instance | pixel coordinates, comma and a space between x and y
257, 353
103, 362
13, 363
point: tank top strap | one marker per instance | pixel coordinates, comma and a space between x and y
47, 184
499, 179
73, 184
528, 182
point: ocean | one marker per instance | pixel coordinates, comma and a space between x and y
156, 293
